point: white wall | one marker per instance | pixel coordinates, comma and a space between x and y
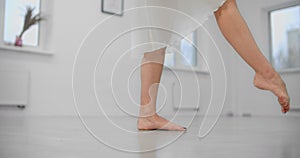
51, 76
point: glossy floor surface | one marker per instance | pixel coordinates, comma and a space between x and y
67, 137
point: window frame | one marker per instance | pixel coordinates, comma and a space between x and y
37, 41
43, 47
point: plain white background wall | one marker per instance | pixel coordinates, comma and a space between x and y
70, 21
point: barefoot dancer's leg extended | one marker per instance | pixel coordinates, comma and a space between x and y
236, 31
152, 66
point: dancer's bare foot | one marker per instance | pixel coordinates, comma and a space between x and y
156, 122
275, 84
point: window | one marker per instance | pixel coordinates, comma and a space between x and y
285, 37
188, 50
15, 11
187, 58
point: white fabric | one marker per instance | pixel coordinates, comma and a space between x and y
168, 21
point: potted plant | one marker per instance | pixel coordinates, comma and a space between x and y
29, 20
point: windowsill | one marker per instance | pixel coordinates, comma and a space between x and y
25, 49
294, 70
187, 70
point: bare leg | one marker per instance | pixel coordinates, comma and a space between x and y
236, 31
152, 66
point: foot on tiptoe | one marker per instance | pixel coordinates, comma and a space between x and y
276, 85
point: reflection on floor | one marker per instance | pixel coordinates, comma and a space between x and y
43, 137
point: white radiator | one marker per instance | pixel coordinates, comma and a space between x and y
14, 88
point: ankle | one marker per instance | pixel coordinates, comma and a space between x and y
147, 111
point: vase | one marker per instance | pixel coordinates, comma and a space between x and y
18, 41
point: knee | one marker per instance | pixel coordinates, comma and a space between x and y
227, 9
155, 56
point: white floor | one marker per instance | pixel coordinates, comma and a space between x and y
64, 137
